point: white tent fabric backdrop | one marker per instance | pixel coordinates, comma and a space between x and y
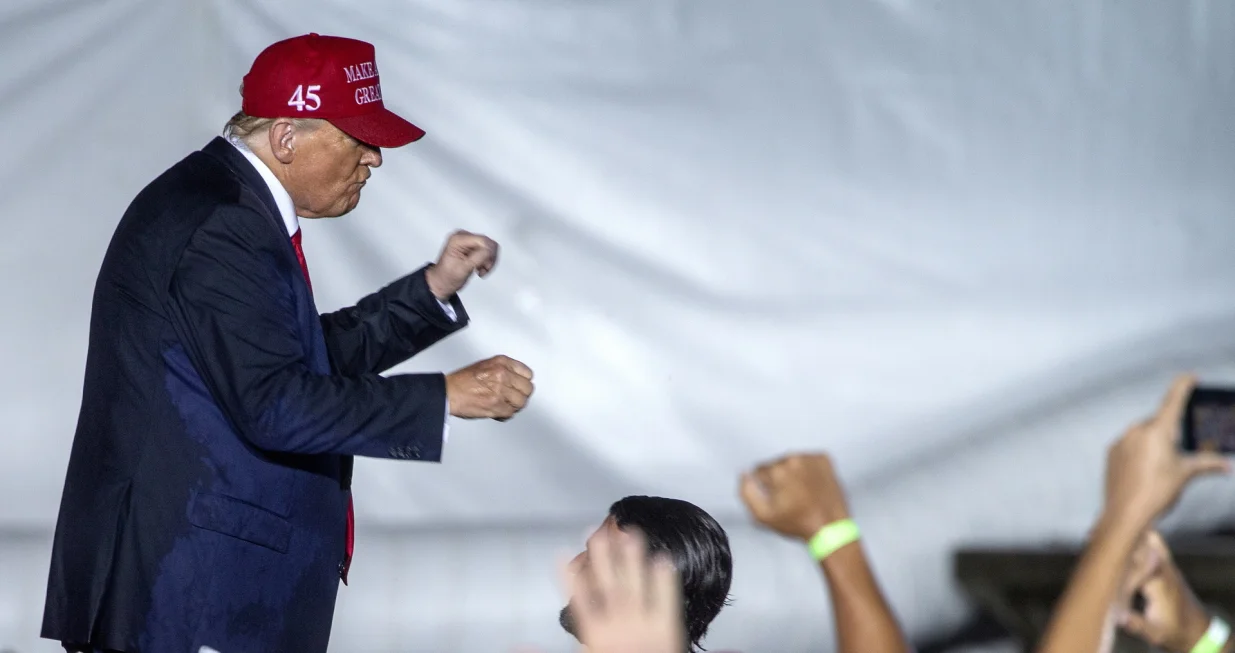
959, 245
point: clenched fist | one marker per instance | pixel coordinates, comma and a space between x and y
795, 496
495, 388
1173, 619
463, 254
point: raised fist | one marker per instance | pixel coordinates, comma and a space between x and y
795, 496
495, 388
463, 254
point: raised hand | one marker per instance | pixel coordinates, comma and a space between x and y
626, 602
463, 254
795, 496
1145, 469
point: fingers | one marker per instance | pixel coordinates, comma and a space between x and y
479, 250
1203, 464
759, 490
631, 571
1155, 543
623, 597
515, 397
568, 570
519, 385
767, 480
665, 588
1176, 401
1134, 624
754, 496
783, 473
514, 382
515, 366
483, 257
580, 587
1146, 563
601, 574
486, 265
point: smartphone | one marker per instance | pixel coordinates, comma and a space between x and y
1209, 422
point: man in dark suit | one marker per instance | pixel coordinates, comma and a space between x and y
207, 504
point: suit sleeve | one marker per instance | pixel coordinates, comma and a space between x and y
389, 326
232, 298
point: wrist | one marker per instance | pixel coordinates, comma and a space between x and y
820, 520
1135, 512
832, 538
436, 288
1119, 525
1195, 624
843, 558
450, 404
1215, 638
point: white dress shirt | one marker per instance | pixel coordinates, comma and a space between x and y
287, 209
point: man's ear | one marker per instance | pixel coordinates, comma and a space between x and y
283, 140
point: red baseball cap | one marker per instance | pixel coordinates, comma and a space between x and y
327, 77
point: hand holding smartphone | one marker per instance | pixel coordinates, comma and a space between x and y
1209, 421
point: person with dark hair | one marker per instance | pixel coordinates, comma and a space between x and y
797, 496
686, 535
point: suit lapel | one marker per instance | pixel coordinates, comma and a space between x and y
227, 153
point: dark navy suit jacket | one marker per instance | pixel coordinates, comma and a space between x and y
205, 503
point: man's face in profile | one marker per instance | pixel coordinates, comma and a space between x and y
608, 529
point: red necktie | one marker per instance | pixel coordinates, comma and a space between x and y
351, 513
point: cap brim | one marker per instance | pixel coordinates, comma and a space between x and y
381, 128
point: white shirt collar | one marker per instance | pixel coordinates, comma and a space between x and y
287, 209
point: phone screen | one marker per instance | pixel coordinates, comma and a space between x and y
1209, 424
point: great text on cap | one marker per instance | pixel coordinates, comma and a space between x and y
359, 73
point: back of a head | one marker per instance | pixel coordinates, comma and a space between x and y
698, 547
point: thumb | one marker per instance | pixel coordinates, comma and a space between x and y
755, 498
1144, 566
518, 368
480, 260
1204, 464
477, 254
1134, 624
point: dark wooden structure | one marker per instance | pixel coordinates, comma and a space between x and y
1019, 587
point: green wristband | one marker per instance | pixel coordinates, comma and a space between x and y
1215, 638
834, 536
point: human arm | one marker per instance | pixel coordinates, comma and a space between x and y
1171, 618
411, 314
864, 620
390, 326
797, 496
1080, 619
1145, 474
235, 314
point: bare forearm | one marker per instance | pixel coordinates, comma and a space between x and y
1080, 616
864, 622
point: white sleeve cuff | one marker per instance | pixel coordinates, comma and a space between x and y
446, 424
448, 310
